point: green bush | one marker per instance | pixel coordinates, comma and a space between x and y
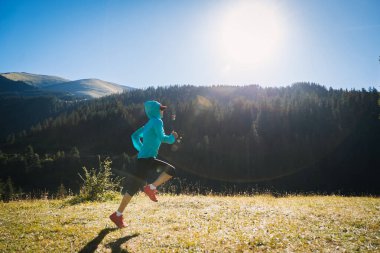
98, 185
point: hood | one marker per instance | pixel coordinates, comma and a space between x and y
152, 109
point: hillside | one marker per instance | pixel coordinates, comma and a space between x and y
302, 138
57, 86
7, 85
259, 223
39, 81
89, 88
19, 113
30, 99
13, 89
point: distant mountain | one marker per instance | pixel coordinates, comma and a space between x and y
7, 85
93, 88
35, 80
21, 83
10, 88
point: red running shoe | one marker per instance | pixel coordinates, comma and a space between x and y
151, 193
118, 220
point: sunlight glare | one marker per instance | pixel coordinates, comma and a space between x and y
250, 33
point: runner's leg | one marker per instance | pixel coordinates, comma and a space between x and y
167, 174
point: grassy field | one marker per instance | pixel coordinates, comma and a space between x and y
183, 223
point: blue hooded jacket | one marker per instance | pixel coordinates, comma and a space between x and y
152, 132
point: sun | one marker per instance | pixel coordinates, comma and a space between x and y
250, 33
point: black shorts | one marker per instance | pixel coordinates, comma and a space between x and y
144, 166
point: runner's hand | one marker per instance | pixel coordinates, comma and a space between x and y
175, 134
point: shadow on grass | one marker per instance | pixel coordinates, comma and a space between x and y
114, 246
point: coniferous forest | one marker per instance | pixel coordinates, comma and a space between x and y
302, 138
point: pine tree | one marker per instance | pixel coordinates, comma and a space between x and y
11, 138
74, 152
9, 193
61, 192
2, 187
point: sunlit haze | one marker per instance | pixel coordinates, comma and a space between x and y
250, 33
157, 43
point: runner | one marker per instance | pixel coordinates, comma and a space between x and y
153, 135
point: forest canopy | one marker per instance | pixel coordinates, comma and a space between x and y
281, 137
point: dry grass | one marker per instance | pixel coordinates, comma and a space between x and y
183, 223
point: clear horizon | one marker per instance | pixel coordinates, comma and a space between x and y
271, 43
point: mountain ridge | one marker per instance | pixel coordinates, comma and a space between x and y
84, 88
36, 80
92, 87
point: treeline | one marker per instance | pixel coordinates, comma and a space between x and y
299, 138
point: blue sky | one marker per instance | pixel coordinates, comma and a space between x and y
156, 43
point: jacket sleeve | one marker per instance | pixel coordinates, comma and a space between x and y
159, 130
136, 138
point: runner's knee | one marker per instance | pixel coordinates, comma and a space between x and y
132, 185
170, 170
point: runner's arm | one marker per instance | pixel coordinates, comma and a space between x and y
159, 130
136, 138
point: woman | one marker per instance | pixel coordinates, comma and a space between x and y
153, 135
